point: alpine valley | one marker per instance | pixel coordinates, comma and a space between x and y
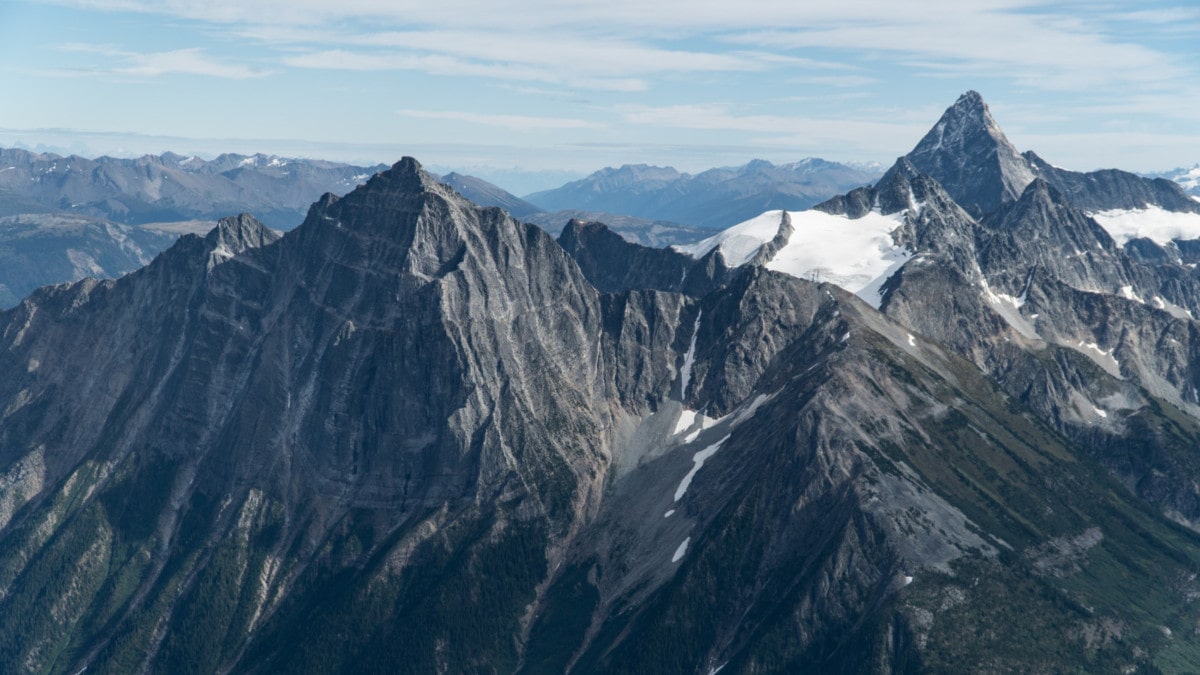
946, 423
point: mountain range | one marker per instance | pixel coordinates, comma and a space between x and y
171, 187
716, 198
944, 423
1188, 179
40, 249
170, 193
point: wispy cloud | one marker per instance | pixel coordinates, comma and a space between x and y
603, 63
1035, 50
437, 64
818, 72
1034, 43
194, 61
188, 62
514, 122
782, 130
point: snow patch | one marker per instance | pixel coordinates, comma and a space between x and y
748, 412
1172, 309
668, 514
1153, 223
857, 254
1103, 357
706, 422
1009, 309
686, 419
689, 359
1128, 294
697, 461
912, 341
680, 551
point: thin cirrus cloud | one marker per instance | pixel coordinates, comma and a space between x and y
1036, 50
779, 128
817, 76
191, 61
605, 63
438, 64
186, 62
512, 122
1037, 44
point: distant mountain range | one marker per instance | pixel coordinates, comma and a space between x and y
1188, 179
716, 198
171, 187
41, 249
658, 206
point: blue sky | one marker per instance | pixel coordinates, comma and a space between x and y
573, 86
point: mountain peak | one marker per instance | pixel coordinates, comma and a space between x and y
969, 155
406, 172
971, 99
241, 232
235, 235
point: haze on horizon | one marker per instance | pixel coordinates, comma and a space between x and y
573, 87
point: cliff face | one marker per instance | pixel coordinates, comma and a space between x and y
392, 357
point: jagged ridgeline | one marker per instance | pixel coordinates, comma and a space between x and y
416, 435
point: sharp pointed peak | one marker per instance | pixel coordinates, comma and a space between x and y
969, 155
970, 98
969, 112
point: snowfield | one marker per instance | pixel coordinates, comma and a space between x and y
1153, 223
857, 254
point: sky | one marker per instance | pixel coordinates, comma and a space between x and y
566, 87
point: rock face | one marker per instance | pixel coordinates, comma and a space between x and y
968, 154
1113, 189
417, 435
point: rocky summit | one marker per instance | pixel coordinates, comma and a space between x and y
416, 435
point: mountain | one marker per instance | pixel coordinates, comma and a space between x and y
637, 230
50, 243
1033, 281
1188, 179
484, 193
715, 198
968, 154
40, 249
171, 187
417, 435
